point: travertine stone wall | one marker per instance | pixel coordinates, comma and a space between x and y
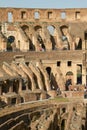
43, 29
50, 115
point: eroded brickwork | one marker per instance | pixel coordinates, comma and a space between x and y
43, 55
49, 115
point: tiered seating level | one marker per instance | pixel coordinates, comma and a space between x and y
51, 55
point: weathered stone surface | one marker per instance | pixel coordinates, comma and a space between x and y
42, 56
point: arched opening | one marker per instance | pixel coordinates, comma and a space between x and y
64, 30
48, 69
13, 101
38, 30
78, 45
22, 99
79, 74
69, 76
25, 28
69, 73
24, 82
10, 40
63, 124
5, 86
63, 110
15, 86
52, 31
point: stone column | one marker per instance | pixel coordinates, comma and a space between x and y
84, 69
75, 72
11, 86
27, 86
84, 76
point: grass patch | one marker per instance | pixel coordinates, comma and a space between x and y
60, 99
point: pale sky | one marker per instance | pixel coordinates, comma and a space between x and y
44, 3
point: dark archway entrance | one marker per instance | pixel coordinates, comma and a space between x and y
51, 29
48, 69
13, 101
10, 40
63, 124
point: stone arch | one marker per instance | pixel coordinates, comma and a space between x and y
39, 37
25, 28
68, 40
69, 73
69, 79
26, 31
52, 31
37, 27
11, 43
64, 29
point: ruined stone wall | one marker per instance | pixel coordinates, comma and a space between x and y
30, 29
50, 15
68, 116
35, 61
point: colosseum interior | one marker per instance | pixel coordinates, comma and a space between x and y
43, 69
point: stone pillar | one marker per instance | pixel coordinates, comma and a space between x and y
84, 76
20, 85
84, 69
75, 73
83, 45
27, 86
11, 86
